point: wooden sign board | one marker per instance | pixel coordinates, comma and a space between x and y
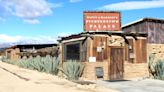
102, 21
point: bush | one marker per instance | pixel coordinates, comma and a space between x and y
42, 64
13, 62
3, 58
156, 68
73, 69
159, 70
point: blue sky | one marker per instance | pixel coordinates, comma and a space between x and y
47, 19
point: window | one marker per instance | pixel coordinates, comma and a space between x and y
72, 51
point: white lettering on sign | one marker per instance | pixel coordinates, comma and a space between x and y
102, 21
101, 26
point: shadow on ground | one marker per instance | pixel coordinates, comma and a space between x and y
116, 80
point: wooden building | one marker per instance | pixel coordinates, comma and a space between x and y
103, 52
155, 30
153, 27
18, 51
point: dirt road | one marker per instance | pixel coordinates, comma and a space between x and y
15, 79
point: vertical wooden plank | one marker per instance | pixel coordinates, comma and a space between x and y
144, 50
116, 64
141, 51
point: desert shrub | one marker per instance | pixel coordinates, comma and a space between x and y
46, 64
151, 64
159, 70
25, 63
3, 58
9, 61
156, 68
73, 69
55, 66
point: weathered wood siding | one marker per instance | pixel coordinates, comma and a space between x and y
139, 27
141, 51
116, 63
100, 41
136, 51
129, 49
155, 30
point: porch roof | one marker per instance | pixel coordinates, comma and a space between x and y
109, 33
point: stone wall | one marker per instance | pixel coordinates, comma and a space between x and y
90, 70
131, 70
157, 49
13, 54
135, 70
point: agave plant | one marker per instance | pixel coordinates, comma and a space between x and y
156, 68
55, 66
159, 70
42, 64
73, 69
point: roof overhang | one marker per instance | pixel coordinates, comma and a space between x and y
108, 33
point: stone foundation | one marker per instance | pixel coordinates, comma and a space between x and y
90, 70
131, 70
135, 70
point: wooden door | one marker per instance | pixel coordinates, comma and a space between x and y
116, 64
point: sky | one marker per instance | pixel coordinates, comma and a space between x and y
46, 20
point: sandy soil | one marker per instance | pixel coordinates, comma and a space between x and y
15, 79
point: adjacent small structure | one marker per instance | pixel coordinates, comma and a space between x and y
155, 30
153, 27
18, 51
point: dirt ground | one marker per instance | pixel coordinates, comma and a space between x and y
15, 79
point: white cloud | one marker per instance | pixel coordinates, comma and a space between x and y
28, 9
31, 21
32, 39
6, 38
27, 39
131, 5
64, 34
57, 5
74, 1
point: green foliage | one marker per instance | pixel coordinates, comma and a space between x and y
24, 62
151, 59
73, 69
3, 58
156, 68
13, 62
9, 61
43, 64
159, 70
151, 64
55, 66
